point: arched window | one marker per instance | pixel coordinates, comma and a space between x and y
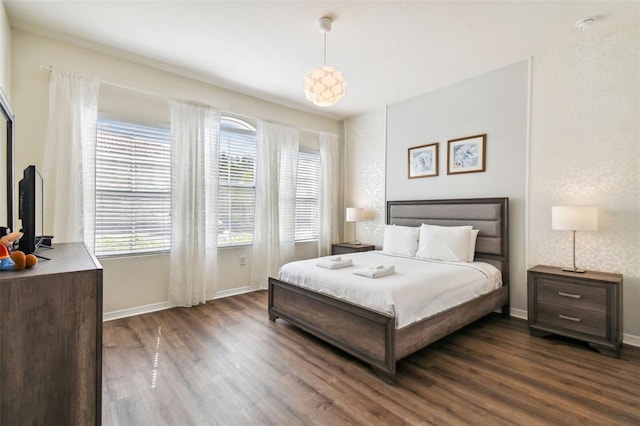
236, 182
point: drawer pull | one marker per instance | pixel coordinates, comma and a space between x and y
573, 296
566, 317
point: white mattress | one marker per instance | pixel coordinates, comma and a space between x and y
418, 289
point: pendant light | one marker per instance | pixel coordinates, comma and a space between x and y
325, 85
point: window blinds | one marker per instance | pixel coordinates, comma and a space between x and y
307, 196
133, 188
236, 183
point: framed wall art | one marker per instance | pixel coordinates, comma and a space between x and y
466, 155
423, 161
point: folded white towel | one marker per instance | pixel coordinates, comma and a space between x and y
375, 272
335, 259
334, 264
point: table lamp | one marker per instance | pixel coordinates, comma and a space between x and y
354, 214
574, 218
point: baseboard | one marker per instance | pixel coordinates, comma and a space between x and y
631, 340
627, 339
138, 310
519, 313
146, 309
232, 292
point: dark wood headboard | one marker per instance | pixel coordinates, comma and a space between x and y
489, 215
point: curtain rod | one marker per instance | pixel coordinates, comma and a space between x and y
170, 98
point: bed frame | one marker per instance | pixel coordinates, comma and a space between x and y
371, 336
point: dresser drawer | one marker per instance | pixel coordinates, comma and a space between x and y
571, 295
572, 318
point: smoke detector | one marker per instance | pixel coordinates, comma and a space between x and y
585, 23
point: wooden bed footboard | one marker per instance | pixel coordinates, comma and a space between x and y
370, 335
367, 335
422, 333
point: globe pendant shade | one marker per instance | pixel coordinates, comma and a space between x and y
324, 86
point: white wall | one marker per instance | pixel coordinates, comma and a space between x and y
143, 280
585, 150
5, 68
494, 103
5, 52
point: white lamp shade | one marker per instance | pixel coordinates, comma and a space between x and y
324, 86
574, 218
354, 214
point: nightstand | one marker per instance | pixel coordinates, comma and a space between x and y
344, 248
585, 306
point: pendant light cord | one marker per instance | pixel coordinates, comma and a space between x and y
325, 48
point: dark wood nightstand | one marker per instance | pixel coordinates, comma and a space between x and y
584, 306
344, 248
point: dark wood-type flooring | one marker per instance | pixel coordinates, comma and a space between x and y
225, 363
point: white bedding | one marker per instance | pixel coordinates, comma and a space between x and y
418, 289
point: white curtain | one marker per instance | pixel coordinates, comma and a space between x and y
329, 194
274, 231
68, 168
194, 226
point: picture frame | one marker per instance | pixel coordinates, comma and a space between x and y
467, 155
423, 161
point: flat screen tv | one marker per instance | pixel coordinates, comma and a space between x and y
29, 203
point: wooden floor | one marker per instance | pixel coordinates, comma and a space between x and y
225, 363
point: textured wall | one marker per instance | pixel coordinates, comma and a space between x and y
365, 174
585, 150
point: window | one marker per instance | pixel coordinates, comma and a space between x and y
133, 188
236, 182
307, 196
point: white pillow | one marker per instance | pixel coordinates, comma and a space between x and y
402, 240
448, 243
473, 235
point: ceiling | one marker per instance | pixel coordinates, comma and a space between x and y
388, 51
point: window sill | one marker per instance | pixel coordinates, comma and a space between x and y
166, 252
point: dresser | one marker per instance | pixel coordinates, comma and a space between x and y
51, 340
585, 306
345, 248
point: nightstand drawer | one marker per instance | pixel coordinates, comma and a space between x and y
346, 248
572, 318
342, 250
571, 295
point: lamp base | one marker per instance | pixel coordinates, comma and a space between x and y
574, 270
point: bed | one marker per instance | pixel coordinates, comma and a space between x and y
372, 335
